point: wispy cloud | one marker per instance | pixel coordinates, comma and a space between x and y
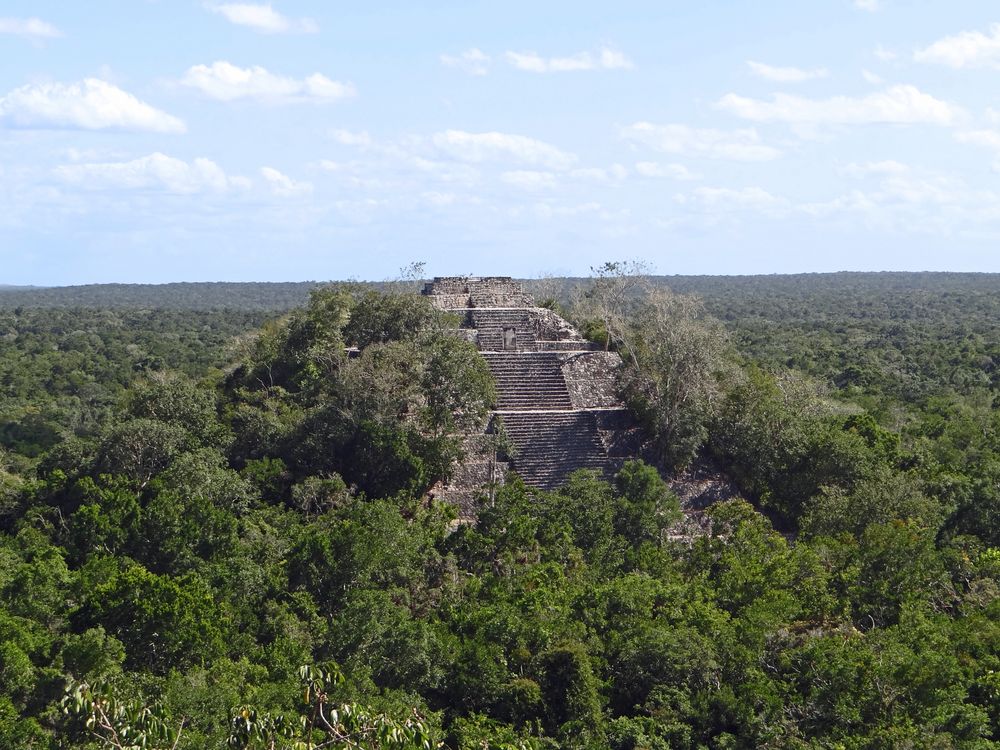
351, 138
156, 172
724, 200
493, 146
263, 18
612, 175
527, 179
868, 5
885, 55
902, 185
670, 171
785, 74
283, 185
472, 61
987, 139
866, 169
227, 82
31, 28
604, 59
91, 104
736, 145
896, 104
967, 49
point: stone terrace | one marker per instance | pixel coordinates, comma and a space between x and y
556, 398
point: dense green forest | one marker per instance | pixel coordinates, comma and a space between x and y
214, 527
177, 296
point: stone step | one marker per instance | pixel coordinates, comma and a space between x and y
550, 446
528, 381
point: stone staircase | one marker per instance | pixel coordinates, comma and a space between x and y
491, 322
528, 381
550, 445
555, 391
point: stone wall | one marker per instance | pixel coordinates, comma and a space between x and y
592, 379
477, 291
449, 301
551, 327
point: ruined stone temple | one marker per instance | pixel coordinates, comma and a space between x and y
556, 398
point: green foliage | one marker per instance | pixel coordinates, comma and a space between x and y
175, 542
323, 724
164, 622
676, 357
677, 360
386, 419
117, 723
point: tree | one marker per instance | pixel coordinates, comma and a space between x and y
387, 418
676, 361
141, 448
323, 724
611, 297
569, 689
378, 318
120, 723
175, 400
163, 622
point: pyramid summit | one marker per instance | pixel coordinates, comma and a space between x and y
557, 402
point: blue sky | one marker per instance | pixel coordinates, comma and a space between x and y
153, 141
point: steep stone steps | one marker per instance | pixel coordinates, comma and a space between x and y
549, 446
550, 438
490, 324
528, 381
510, 317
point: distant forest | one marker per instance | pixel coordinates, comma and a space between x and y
762, 296
216, 532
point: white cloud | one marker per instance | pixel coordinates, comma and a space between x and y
547, 211
885, 55
283, 185
940, 190
351, 138
869, 5
605, 59
473, 61
227, 82
737, 145
887, 167
787, 74
988, 139
901, 185
529, 179
967, 49
612, 175
897, 198
92, 104
440, 200
32, 28
896, 104
476, 148
263, 18
984, 138
872, 78
397, 166
728, 199
855, 201
672, 171
154, 172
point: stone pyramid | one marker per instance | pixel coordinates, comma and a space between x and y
557, 406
